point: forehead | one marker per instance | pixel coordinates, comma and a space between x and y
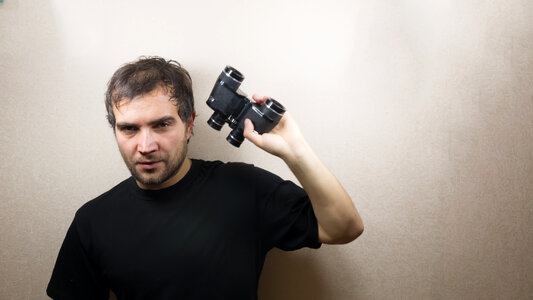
145, 108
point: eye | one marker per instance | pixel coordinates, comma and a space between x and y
127, 129
163, 125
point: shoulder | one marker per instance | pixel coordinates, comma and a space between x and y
105, 201
239, 170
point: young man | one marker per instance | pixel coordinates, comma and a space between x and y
182, 228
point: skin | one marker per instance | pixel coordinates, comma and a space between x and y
152, 140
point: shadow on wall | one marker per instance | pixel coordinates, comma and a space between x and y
291, 275
303, 275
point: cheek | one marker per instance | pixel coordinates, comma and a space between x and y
173, 141
126, 146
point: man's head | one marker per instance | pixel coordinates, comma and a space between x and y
145, 75
150, 107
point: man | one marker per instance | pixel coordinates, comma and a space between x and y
183, 228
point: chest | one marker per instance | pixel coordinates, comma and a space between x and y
206, 237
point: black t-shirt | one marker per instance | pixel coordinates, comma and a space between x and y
205, 237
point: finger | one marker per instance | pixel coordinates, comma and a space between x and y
250, 134
259, 99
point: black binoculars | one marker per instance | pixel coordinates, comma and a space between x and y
233, 107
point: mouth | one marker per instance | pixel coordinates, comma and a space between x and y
147, 165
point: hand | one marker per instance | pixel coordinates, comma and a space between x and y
284, 141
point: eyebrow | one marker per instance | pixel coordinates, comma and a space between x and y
170, 119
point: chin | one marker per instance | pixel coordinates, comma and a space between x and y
150, 181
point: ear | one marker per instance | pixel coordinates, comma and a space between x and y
190, 124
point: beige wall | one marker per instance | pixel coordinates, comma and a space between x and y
424, 112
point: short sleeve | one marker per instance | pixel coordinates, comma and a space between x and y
287, 218
75, 275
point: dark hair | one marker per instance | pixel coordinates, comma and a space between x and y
143, 76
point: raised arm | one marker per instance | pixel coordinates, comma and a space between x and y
338, 219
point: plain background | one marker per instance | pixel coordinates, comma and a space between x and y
422, 109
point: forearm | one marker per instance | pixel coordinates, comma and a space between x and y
339, 221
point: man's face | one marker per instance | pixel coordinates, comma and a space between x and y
152, 139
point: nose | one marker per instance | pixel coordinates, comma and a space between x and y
148, 143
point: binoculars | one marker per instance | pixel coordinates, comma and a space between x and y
233, 107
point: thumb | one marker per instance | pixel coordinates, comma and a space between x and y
250, 134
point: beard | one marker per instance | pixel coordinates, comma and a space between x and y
157, 176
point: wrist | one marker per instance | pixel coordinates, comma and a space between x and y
299, 154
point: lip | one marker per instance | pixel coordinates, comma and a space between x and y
148, 164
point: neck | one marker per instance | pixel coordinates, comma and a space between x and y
182, 171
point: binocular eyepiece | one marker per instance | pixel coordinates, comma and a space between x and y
233, 107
